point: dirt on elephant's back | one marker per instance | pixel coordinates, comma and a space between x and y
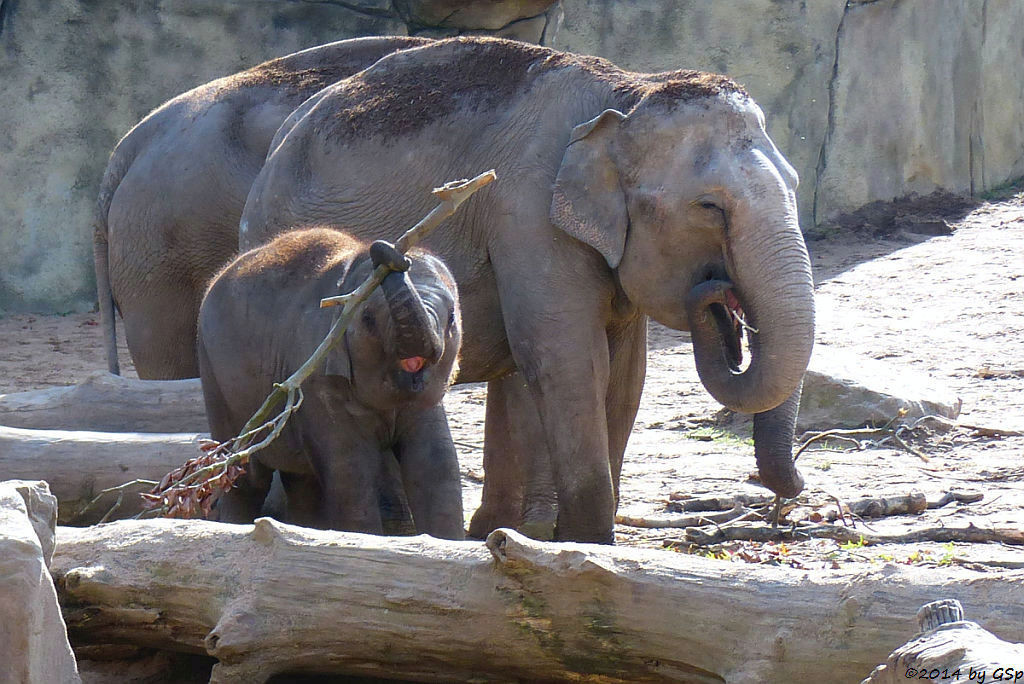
948, 305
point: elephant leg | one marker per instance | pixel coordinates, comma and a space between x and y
526, 437
243, 502
302, 499
160, 329
395, 513
349, 475
430, 472
556, 331
502, 499
628, 350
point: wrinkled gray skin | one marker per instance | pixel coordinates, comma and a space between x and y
619, 196
173, 192
260, 321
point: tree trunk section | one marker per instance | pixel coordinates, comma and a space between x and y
109, 403
78, 465
272, 598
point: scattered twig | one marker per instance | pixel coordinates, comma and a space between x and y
844, 435
839, 510
891, 431
979, 429
195, 486
891, 505
763, 533
958, 496
736, 513
681, 503
906, 447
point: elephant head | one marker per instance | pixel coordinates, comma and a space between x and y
694, 208
403, 347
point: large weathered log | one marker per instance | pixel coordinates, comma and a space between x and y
109, 403
78, 465
269, 598
34, 645
950, 648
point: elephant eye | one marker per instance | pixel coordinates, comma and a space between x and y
710, 206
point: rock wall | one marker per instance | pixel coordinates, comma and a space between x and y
76, 76
869, 99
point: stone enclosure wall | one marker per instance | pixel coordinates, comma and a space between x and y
869, 99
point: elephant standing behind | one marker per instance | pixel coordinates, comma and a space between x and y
174, 189
378, 397
621, 196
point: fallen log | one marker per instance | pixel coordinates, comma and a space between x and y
33, 644
952, 649
109, 403
272, 598
79, 465
759, 532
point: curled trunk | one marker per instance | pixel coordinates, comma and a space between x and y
770, 297
416, 333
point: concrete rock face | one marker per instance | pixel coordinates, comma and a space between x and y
34, 646
77, 76
924, 98
869, 100
848, 391
470, 14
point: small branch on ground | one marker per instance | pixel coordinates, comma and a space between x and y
890, 505
193, 488
738, 512
683, 503
958, 496
980, 430
708, 535
895, 430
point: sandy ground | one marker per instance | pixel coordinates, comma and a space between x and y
949, 305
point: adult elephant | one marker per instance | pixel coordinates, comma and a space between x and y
174, 189
620, 196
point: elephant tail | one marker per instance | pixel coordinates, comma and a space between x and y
100, 250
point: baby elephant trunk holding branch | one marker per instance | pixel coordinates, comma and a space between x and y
370, 444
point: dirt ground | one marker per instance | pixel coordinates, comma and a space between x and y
948, 304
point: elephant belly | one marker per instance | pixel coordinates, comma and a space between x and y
285, 457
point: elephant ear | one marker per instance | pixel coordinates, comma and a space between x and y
588, 202
338, 361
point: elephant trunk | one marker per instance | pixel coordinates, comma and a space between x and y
417, 340
773, 447
770, 298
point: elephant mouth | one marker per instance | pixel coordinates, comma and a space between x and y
412, 364
411, 382
717, 299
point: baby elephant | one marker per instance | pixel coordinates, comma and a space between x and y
377, 398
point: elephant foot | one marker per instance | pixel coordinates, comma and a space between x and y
541, 530
486, 519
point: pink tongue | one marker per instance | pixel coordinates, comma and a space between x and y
731, 301
412, 364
